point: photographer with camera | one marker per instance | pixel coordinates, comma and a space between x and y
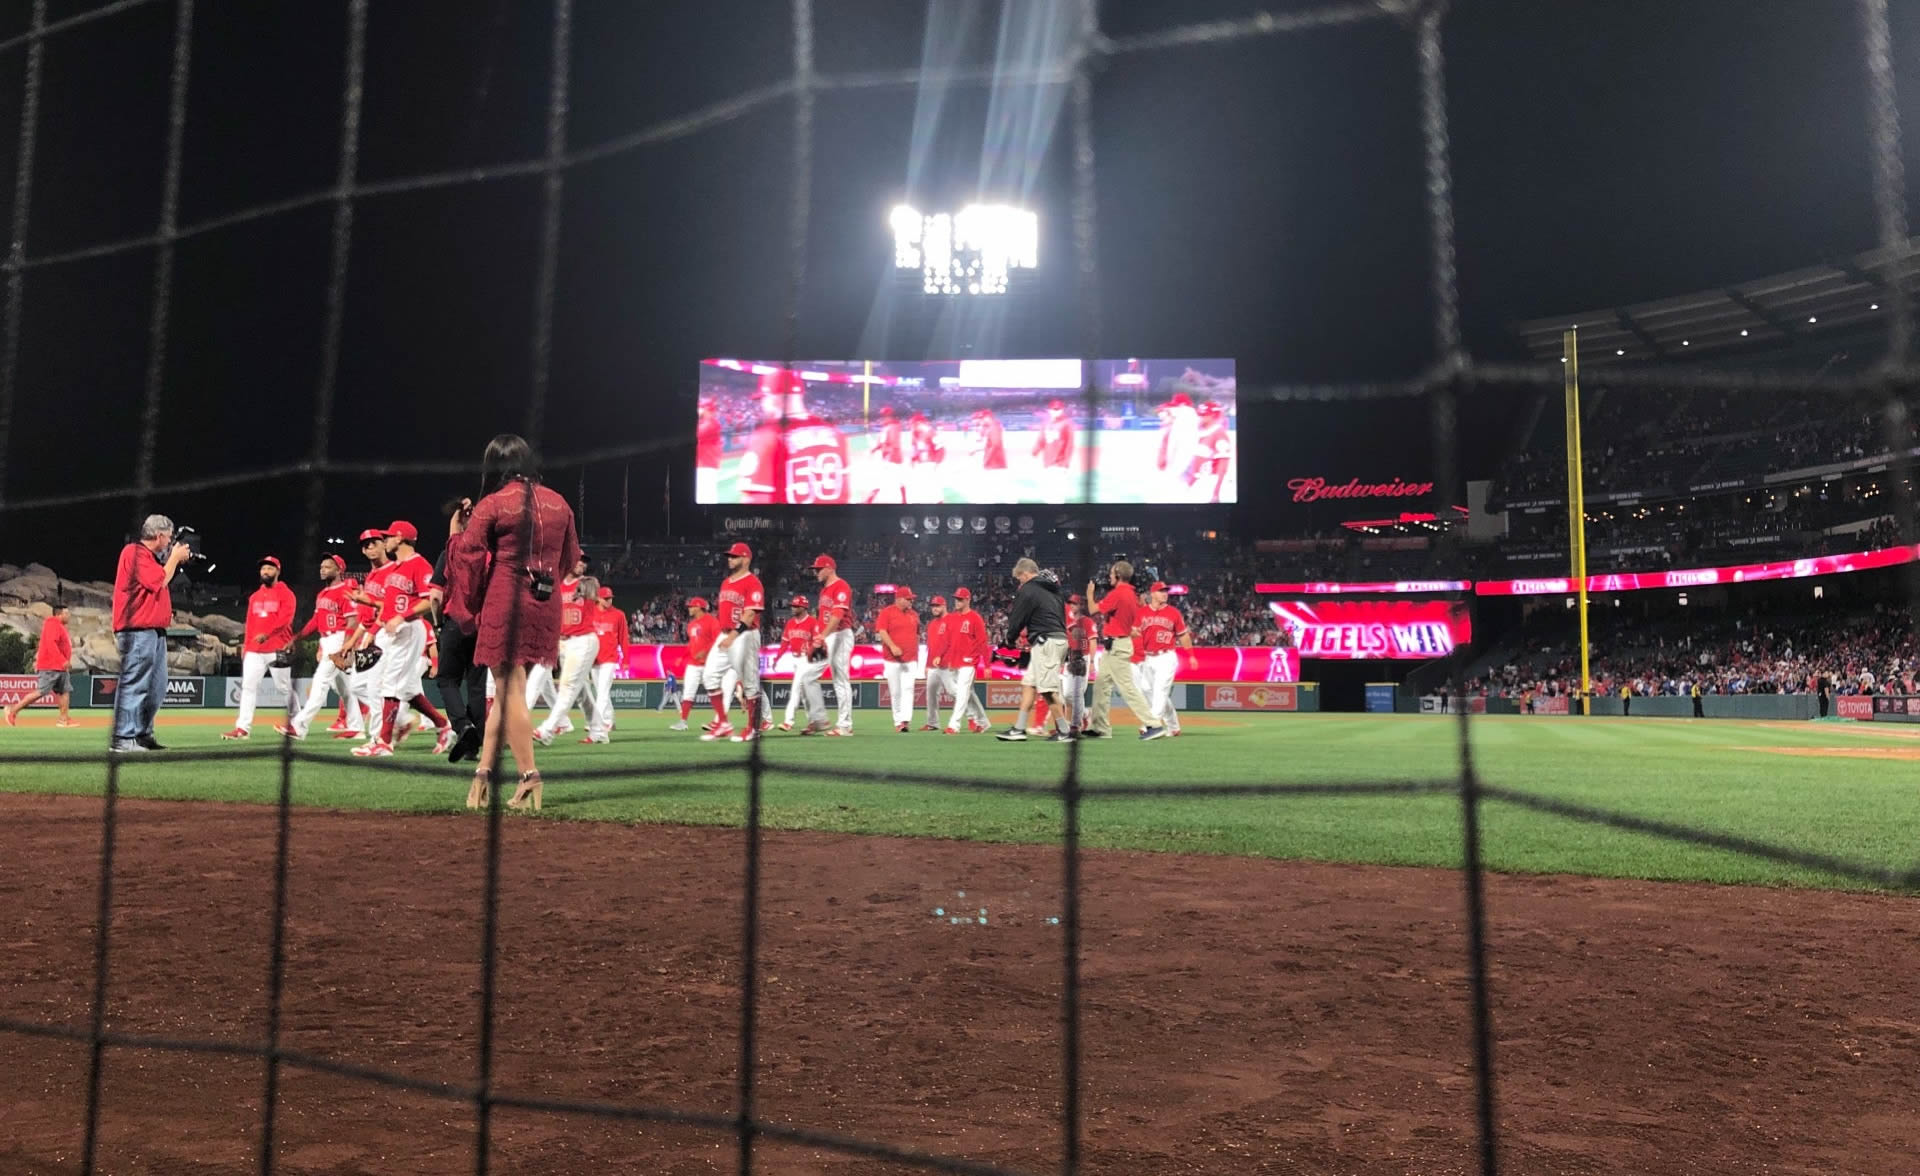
142, 612
1038, 612
265, 646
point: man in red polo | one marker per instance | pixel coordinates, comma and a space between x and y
1119, 612
898, 628
52, 663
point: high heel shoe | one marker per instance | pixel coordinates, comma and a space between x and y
527, 796
481, 790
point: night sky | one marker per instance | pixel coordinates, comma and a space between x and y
1261, 199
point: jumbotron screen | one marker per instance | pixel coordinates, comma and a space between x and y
973, 432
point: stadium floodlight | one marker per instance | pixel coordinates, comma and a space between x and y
973, 251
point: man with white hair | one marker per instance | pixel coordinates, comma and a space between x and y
142, 612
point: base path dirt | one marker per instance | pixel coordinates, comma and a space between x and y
1239, 1015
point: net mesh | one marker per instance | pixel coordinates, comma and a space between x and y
1452, 372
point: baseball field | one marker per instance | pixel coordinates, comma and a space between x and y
1270, 982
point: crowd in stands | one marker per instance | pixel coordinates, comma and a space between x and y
1859, 652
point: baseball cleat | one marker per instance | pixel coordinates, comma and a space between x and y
236, 733
595, 739
787, 726
543, 737
842, 732
746, 736
720, 733
929, 727
374, 750
679, 726
289, 732
349, 734
444, 743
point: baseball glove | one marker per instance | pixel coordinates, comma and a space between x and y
817, 654
282, 660
366, 659
1077, 665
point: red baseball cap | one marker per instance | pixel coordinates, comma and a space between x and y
404, 530
698, 602
797, 602
903, 593
825, 561
740, 549
372, 533
335, 560
1055, 406
939, 600
1156, 586
1075, 599
605, 594
1181, 400
271, 559
962, 594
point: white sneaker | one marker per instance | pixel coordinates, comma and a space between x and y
679, 726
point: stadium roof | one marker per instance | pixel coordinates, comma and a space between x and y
1767, 313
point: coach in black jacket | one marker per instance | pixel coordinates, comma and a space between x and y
1038, 613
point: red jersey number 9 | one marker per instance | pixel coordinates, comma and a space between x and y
820, 477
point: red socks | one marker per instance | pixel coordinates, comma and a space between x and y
719, 707
421, 704
389, 710
686, 708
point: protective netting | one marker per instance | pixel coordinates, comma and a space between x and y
1452, 373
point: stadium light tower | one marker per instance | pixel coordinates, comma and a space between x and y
973, 251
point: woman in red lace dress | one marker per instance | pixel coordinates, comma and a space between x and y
503, 556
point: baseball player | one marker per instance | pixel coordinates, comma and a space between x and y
835, 613
579, 649
333, 611
939, 679
363, 679
966, 647
735, 658
402, 640
540, 689
1158, 628
1054, 447
610, 630
801, 642
898, 628
702, 632
269, 633
794, 456
1083, 645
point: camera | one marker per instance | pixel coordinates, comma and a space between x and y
191, 537
540, 583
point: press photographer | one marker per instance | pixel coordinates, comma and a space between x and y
142, 612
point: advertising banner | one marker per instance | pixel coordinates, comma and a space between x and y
1792, 569
1003, 696
1853, 706
1380, 698
1228, 696
180, 691
1896, 708
1221, 663
1370, 630
1363, 587
14, 687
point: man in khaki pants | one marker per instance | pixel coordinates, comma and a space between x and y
1119, 610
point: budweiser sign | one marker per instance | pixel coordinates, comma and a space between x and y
1315, 489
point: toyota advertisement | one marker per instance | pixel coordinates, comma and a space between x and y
1374, 630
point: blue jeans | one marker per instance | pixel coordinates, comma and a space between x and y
143, 681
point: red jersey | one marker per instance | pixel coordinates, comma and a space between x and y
407, 581
610, 625
966, 639
375, 586
269, 615
1120, 607
805, 465
737, 596
798, 636
1216, 444
140, 596
56, 646
937, 639
702, 632
903, 625
993, 444
707, 442
331, 609
1083, 633
836, 600
926, 444
891, 448
1055, 445
1160, 631
577, 616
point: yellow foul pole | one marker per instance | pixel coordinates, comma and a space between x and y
1577, 503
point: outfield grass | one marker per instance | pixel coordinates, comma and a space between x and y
1726, 776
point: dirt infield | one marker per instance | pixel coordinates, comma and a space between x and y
1240, 1015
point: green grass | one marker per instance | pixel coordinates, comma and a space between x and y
1719, 775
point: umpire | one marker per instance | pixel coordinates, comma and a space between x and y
1038, 612
463, 685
